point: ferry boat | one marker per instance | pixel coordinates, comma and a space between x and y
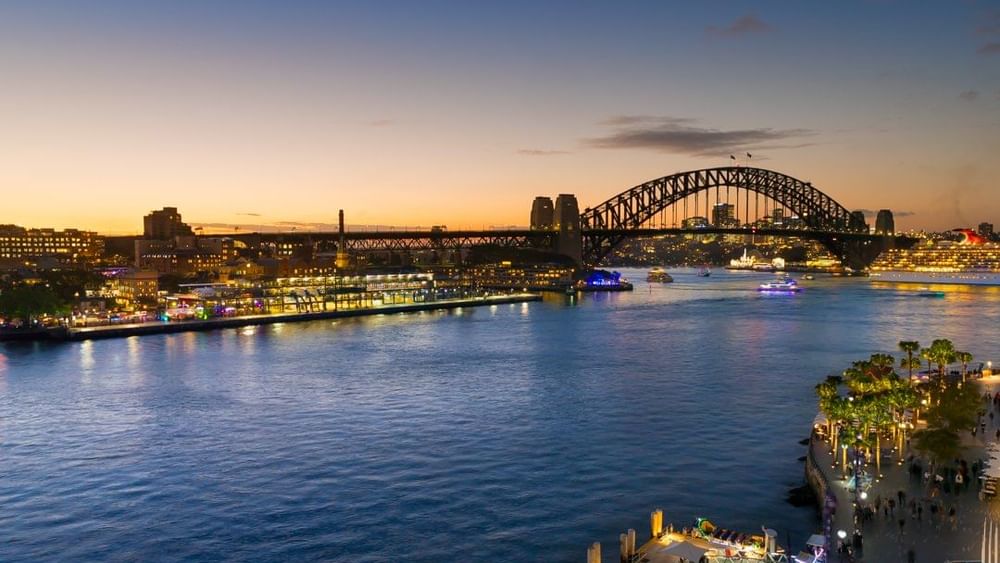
809, 277
786, 285
973, 261
658, 275
602, 280
704, 272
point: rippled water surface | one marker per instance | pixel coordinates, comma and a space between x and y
508, 433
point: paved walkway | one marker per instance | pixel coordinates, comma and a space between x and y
934, 539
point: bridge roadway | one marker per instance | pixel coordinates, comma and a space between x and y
854, 248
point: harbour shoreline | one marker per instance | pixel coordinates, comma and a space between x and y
76, 334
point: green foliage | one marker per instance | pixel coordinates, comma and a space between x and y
942, 444
28, 302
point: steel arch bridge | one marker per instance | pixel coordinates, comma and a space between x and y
624, 215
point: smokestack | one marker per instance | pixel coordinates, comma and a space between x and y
342, 259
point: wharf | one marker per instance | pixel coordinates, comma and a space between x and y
932, 537
140, 329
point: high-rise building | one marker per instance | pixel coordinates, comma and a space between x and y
49, 246
986, 230
884, 223
694, 223
542, 213
165, 224
566, 220
722, 214
778, 217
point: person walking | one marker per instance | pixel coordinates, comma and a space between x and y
911, 556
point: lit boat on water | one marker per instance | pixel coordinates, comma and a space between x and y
704, 272
786, 285
658, 275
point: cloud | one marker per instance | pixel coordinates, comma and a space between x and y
685, 136
540, 152
895, 214
250, 214
989, 49
745, 25
969, 95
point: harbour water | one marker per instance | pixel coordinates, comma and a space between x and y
518, 432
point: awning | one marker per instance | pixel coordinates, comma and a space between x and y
816, 540
820, 420
684, 550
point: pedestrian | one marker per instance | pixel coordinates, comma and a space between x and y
902, 523
911, 556
953, 518
892, 507
901, 496
920, 512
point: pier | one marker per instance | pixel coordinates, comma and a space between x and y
166, 327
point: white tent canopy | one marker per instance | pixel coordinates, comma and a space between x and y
817, 540
820, 419
684, 550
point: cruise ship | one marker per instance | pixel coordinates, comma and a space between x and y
973, 261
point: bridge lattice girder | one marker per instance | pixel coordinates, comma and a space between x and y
633, 208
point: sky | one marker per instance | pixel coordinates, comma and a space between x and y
459, 113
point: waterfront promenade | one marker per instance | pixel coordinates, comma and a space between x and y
933, 538
138, 329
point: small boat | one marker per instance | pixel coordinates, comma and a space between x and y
704, 272
809, 277
658, 275
925, 292
786, 285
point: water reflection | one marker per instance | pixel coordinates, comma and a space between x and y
443, 432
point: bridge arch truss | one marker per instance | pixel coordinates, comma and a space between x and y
610, 222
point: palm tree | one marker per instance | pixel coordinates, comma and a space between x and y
909, 347
965, 358
942, 352
925, 354
910, 364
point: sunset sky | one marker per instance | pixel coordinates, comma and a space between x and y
459, 113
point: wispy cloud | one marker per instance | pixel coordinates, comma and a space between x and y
250, 214
540, 152
992, 48
744, 25
969, 95
895, 214
685, 136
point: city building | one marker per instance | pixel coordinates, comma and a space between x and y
185, 255
884, 223
133, 289
542, 213
986, 230
48, 248
778, 217
165, 224
694, 223
723, 215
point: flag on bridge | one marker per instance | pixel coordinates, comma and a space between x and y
732, 157
748, 155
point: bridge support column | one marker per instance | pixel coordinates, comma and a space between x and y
858, 255
569, 238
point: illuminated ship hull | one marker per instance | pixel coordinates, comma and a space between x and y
973, 262
970, 277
